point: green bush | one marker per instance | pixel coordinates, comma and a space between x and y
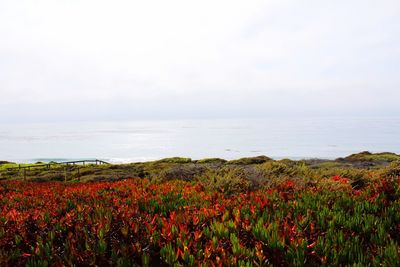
186, 172
211, 161
250, 160
368, 156
393, 170
229, 181
175, 160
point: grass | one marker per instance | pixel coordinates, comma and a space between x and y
5, 166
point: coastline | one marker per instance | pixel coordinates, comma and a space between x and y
116, 160
257, 170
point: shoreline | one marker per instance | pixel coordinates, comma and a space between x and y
362, 156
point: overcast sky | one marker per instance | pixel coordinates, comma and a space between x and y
81, 59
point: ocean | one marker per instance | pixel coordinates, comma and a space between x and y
132, 141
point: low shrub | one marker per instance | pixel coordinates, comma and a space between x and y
186, 172
368, 156
175, 160
211, 161
250, 160
393, 170
229, 181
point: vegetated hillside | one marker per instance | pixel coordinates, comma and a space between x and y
251, 173
250, 212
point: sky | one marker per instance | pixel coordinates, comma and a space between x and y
118, 60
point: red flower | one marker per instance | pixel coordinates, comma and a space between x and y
340, 179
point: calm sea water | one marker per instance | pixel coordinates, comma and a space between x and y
147, 140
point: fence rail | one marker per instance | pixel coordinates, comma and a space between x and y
48, 166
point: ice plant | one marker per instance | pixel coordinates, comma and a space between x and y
134, 222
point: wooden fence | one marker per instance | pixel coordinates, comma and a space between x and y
23, 170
